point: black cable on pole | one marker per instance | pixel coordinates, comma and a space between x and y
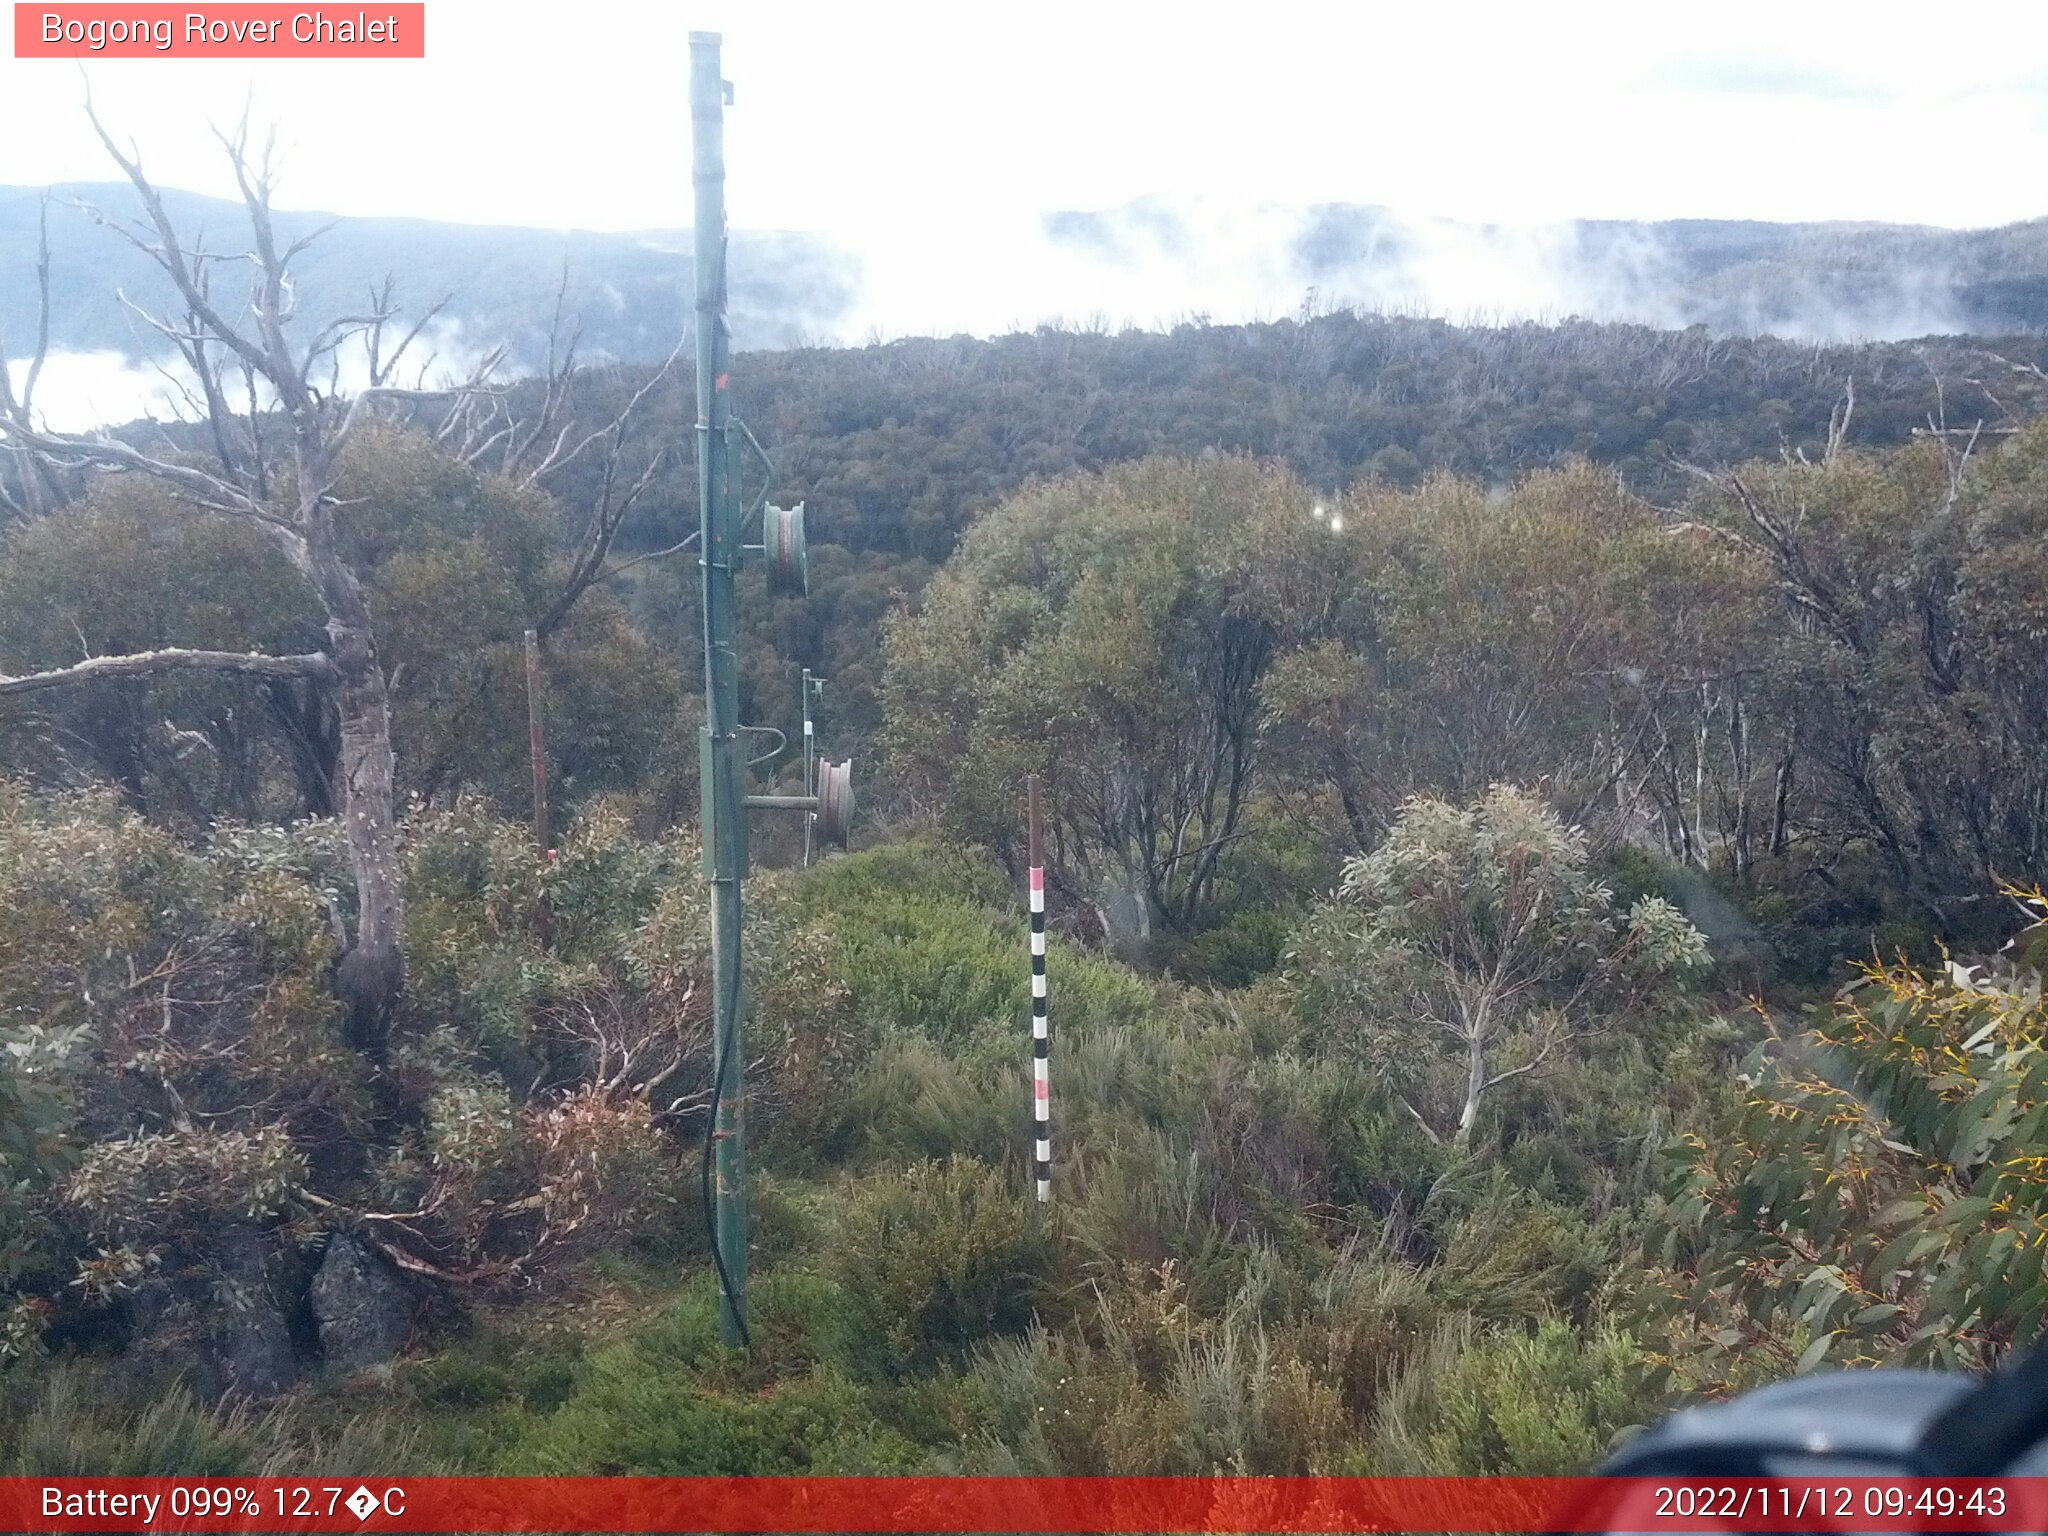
720, 1066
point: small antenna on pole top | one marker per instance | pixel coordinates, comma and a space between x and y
712, 41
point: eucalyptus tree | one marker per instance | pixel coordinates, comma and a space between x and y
1476, 945
1111, 632
1902, 645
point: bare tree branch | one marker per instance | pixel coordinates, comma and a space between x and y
206, 490
613, 429
654, 554
602, 529
156, 663
39, 488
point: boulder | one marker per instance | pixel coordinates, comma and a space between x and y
363, 1308
248, 1344
215, 1319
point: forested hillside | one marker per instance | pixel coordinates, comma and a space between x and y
895, 448
1513, 798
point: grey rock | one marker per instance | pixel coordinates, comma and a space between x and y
216, 1319
362, 1306
248, 1343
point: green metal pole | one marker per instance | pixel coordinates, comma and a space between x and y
723, 819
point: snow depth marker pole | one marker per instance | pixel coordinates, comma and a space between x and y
1041, 1034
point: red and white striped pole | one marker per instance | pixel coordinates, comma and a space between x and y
1041, 1034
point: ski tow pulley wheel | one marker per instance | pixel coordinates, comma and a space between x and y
835, 801
782, 538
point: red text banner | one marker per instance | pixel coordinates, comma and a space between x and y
113, 31
1004, 1504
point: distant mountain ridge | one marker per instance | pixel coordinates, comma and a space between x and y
632, 292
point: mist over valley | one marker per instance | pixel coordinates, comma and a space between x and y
1147, 264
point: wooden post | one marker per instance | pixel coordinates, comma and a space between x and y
537, 742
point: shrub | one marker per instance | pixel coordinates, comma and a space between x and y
1146, 1199
94, 899
158, 1187
915, 866
629, 1420
38, 1108
1877, 1197
1233, 952
1543, 1404
949, 965
666, 1398
473, 905
910, 1100
605, 1174
1155, 1385
1475, 946
935, 1258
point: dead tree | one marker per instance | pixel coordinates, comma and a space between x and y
35, 489
267, 396
485, 433
266, 400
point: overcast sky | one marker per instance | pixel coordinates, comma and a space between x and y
926, 140
850, 116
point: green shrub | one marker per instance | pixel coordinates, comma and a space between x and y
473, 903
1233, 952
1543, 1404
1877, 1195
666, 1398
911, 1100
1505, 1255
157, 1187
1050, 1404
605, 880
938, 968
626, 1420
94, 898
935, 1258
916, 866
1146, 1199
39, 1086
946, 955
1152, 1384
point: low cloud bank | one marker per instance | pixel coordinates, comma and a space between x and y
985, 270
1158, 261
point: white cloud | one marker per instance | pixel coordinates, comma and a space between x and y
533, 112
77, 391
930, 139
